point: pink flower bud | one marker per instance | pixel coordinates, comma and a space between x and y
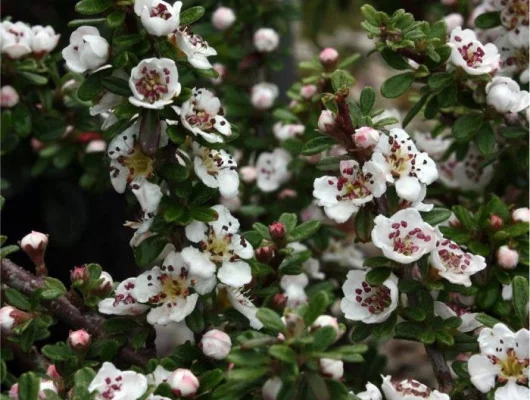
13, 392
79, 340
366, 137
277, 230
271, 388
223, 18
221, 70
265, 254
34, 245
327, 320
329, 56
7, 321
507, 258
331, 368
216, 344
521, 215
453, 20
36, 145
287, 194
496, 222
183, 382
326, 121
52, 373
266, 40
8, 97
106, 285
308, 91
453, 221
79, 274
96, 146
248, 174
279, 301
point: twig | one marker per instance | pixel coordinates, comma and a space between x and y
30, 360
62, 309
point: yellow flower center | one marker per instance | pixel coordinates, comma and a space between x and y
138, 163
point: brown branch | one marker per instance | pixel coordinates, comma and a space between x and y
29, 361
62, 309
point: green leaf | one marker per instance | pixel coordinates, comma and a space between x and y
460, 369
289, 220
409, 330
76, 23
28, 386
520, 297
447, 96
467, 125
361, 331
371, 14
204, 214
513, 132
283, 353
487, 320
376, 261
394, 60
488, 20
364, 224
91, 7
116, 19
414, 313
173, 213
246, 374
485, 138
324, 337
191, 15
82, 380
303, 231
386, 327
445, 338
415, 109
488, 294
270, 319
57, 352
263, 230
53, 289
316, 307
17, 299
210, 379
318, 386
116, 85
397, 85
92, 86
129, 40
352, 59
318, 145
436, 216
21, 119
341, 79
195, 320
439, 80
149, 249
465, 217
377, 276
367, 100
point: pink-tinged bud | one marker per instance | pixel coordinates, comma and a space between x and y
13, 392
326, 121
7, 321
248, 174
8, 97
96, 146
308, 91
521, 215
266, 40
507, 258
36, 145
279, 301
52, 373
331, 368
277, 230
79, 340
271, 388
222, 71
183, 382
106, 286
216, 344
223, 18
496, 222
265, 254
34, 245
366, 137
79, 274
453, 20
293, 104
454, 222
329, 56
327, 320
287, 194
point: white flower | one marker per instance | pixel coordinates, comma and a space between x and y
514, 58
183, 383
469, 322
504, 359
371, 393
44, 39
435, 147
216, 169
158, 376
345, 253
366, 137
154, 83
409, 389
403, 164
507, 258
8, 97
167, 290
504, 95
7, 321
244, 305
343, 196
219, 244
223, 18
474, 57
158, 17
111, 383
123, 302
195, 47
271, 388
202, 114
453, 263
266, 40
468, 173
521, 214
87, 50
293, 286
404, 237
287, 131
169, 336
514, 17
216, 344
272, 169
326, 121
331, 368
263, 95
366, 303
15, 39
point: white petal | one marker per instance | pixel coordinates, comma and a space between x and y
483, 372
196, 231
200, 264
408, 188
512, 391
235, 274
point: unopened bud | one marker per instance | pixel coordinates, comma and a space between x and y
308, 91
329, 57
34, 245
327, 320
279, 301
496, 222
11, 317
366, 137
51, 371
331, 368
183, 383
248, 174
265, 254
106, 285
216, 344
79, 340
287, 194
223, 18
266, 40
326, 121
521, 215
8, 97
79, 275
507, 258
277, 230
